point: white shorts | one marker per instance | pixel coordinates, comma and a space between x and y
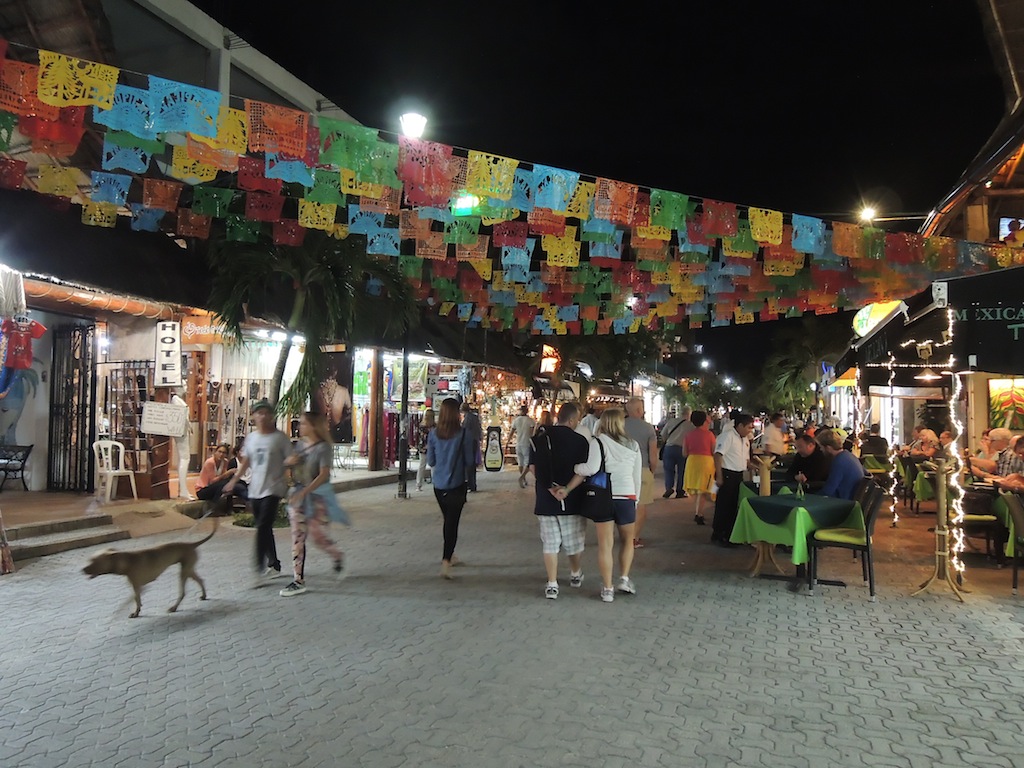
557, 531
523, 456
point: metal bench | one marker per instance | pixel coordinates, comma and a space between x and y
12, 462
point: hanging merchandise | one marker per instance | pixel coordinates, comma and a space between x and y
19, 332
12, 292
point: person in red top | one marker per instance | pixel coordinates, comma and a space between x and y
699, 450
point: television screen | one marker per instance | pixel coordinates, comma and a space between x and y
1004, 227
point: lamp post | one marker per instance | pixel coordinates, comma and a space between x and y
413, 125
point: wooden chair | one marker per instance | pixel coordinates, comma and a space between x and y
1016, 507
849, 538
110, 466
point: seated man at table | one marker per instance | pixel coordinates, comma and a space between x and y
846, 472
874, 443
810, 465
1006, 461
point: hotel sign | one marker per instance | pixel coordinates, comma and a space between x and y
168, 354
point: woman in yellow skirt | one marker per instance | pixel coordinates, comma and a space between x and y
699, 450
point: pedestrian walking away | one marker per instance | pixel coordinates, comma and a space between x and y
522, 430
646, 437
673, 452
623, 463
474, 433
312, 503
449, 452
699, 476
552, 461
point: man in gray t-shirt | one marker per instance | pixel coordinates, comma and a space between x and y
263, 453
647, 439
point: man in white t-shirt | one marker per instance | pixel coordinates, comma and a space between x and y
774, 441
264, 452
522, 429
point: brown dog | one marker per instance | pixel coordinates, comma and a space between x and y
142, 566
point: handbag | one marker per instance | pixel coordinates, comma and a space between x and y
661, 448
596, 494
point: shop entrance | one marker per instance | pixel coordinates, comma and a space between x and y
72, 404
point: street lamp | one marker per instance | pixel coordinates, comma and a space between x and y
867, 214
413, 125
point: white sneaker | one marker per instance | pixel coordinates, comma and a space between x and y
607, 595
273, 573
626, 585
551, 591
295, 588
576, 580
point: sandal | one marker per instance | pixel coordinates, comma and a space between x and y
638, 543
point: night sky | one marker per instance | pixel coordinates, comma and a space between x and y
806, 108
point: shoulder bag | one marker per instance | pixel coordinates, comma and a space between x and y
596, 493
661, 450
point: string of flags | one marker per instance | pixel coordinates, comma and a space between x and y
488, 239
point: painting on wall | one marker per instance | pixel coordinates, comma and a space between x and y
1006, 403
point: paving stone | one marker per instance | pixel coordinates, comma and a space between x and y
397, 667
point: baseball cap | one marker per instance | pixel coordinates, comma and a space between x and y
260, 404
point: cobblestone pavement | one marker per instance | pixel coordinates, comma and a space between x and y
397, 667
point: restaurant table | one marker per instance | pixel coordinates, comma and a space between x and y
787, 519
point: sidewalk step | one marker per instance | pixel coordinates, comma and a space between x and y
51, 544
65, 525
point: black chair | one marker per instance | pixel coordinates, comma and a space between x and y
979, 522
849, 538
1016, 507
861, 492
906, 485
13, 459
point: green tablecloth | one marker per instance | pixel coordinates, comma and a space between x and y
1000, 510
798, 518
875, 465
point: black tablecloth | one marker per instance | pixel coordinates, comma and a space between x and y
824, 510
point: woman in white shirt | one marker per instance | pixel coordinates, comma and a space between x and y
622, 462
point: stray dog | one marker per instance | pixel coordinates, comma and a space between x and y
142, 566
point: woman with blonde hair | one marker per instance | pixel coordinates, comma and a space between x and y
426, 427
312, 503
449, 452
622, 462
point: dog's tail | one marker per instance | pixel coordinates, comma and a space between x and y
216, 524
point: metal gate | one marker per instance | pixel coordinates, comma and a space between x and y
72, 409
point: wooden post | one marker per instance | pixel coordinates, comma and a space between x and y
941, 571
375, 428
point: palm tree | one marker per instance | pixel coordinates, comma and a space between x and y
800, 350
319, 290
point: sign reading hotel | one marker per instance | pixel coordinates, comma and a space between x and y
200, 329
168, 354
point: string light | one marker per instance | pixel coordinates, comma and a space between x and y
957, 523
893, 456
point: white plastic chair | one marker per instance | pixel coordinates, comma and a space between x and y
110, 466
